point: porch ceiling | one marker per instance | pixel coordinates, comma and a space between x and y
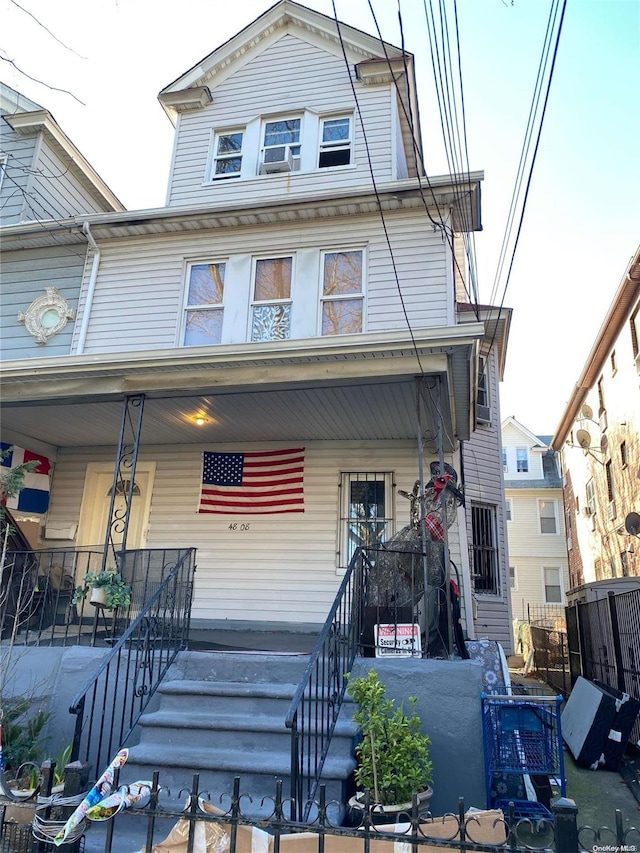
356, 410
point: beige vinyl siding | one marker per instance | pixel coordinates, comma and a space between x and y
484, 484
25, 275
530, 551
284, 566
138, 298
296, 75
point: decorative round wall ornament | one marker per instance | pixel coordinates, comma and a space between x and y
47, 315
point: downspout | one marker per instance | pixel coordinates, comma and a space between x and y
86, 230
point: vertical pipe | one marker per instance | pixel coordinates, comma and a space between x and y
445, 540
421, 516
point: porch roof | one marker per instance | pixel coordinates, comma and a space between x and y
362, 387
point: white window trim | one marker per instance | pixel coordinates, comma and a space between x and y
363, 282
513, 588
346, 478
262, 147
554, 503
508, 509
560, 584
211, 159
337, 145
186, 308
528, 460
252, 289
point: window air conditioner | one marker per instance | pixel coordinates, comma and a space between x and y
278, 159
483, 414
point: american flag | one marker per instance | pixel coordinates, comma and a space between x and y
253, 483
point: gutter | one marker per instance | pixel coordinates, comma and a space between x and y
86, 314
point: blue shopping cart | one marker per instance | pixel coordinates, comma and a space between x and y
522, 736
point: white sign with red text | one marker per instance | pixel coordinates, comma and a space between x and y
399, 640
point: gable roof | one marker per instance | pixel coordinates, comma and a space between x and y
284, 16
537, 442
27, 118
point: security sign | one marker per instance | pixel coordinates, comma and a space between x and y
402, 640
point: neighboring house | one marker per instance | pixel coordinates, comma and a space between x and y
599, 441
282, 306
45, 183
538, 567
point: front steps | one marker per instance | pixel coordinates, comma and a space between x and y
223, 716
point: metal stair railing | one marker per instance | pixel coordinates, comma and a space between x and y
109, 706
316, 704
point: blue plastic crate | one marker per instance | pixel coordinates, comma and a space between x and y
524, 809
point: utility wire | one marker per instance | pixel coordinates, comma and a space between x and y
533, 161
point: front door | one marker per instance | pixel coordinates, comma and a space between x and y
96, 500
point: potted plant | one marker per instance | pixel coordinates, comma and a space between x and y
393, 754
107, 588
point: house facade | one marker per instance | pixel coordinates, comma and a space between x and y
538, 567
281, 348
599, 441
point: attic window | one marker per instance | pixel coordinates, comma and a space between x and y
335, 143
227, 161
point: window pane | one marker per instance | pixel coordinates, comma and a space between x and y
228, 166
342, 317
230, 143
335, 130
342, 273
273, 279
203, 327
281, 132
522, 459
206, 284
548, 517
271, 323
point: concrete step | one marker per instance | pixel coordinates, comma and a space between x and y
238, 730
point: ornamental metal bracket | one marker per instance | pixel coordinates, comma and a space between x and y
47, 315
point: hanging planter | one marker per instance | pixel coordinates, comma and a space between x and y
106, 589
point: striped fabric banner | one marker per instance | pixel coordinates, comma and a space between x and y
34, 497
253, 483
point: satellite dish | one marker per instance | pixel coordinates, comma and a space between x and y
586, 412
584, 439
632, 523
604, 441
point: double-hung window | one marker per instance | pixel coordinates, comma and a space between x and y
335, 142
552, 585
271, 305
342, 293
522, 460
281, 145
204, 304
548, 518
227, 156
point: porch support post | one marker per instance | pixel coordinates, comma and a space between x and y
445, 527
421, 515
124, 471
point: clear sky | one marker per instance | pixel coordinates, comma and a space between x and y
582, 222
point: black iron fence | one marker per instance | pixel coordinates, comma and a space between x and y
551, 658
192, 822
546, 616
155, 629
37, 605
604, 643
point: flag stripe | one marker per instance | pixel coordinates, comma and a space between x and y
254, 482
34, 497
